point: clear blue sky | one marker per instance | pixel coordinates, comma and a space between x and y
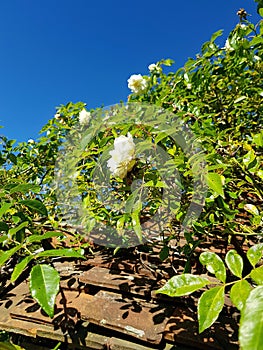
56, 51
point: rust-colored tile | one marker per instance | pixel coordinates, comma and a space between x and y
140, 320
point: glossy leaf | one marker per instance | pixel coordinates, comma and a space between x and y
257, 275
44, 287
9, 346
183, 285
209, 306
251, 322
234, 263
254, 253
214, 264
239, 293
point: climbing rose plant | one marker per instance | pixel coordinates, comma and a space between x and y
218, 96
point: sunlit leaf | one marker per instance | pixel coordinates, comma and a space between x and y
209, 307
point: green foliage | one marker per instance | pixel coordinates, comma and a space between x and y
248, 300
44, 286
217, 97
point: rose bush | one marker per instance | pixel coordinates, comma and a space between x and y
217, 97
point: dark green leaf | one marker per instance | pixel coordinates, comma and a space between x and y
214, 264
251, 322
35, 206
3, 226
24, 188
234, 263
210, 305
44, 287
164, 253
183, 285
239, 293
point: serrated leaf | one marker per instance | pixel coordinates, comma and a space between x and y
67, 253
234, 263
44, 287
24, 188
35, 206
214, 181
184, 284
209, 306
251, 322
7, 255
257, 275
214, 264
239, 293
20, 267
254, 253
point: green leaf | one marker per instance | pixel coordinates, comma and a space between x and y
214, 181
3, 226
209, 306
164, 253
44, 287
239, 293
35, 206
214, 264
257, 275
67, 253
47, 235
234, 263
9, 346
183, 285
7, 255
19, 268
251, 322
14, 230
4, 208
216, 35
254, 254
25, 188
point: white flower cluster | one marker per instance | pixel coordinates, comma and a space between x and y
122, 157
84, 117
137, 83
153, 67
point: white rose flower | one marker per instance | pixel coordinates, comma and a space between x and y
31, 141
153, 67
228, 47
84, 117
122, 157
57, 116
137, 83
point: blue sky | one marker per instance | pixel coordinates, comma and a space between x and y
56, 51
